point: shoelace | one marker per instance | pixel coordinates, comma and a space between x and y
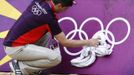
17, 69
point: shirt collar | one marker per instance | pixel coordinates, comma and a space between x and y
51, 4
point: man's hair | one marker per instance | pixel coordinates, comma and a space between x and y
65, 3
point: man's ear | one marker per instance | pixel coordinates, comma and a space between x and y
59, 5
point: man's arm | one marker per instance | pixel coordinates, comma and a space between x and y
75, 43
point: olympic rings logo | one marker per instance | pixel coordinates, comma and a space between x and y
105, 30
36, 10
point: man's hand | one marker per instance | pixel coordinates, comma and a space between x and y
94, 42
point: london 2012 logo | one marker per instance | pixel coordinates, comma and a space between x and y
36, 10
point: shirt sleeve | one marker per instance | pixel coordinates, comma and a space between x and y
54, 27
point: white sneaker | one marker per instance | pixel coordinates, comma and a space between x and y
15, 67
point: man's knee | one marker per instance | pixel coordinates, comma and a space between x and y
56, 60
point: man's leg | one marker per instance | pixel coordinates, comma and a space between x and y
36, 57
